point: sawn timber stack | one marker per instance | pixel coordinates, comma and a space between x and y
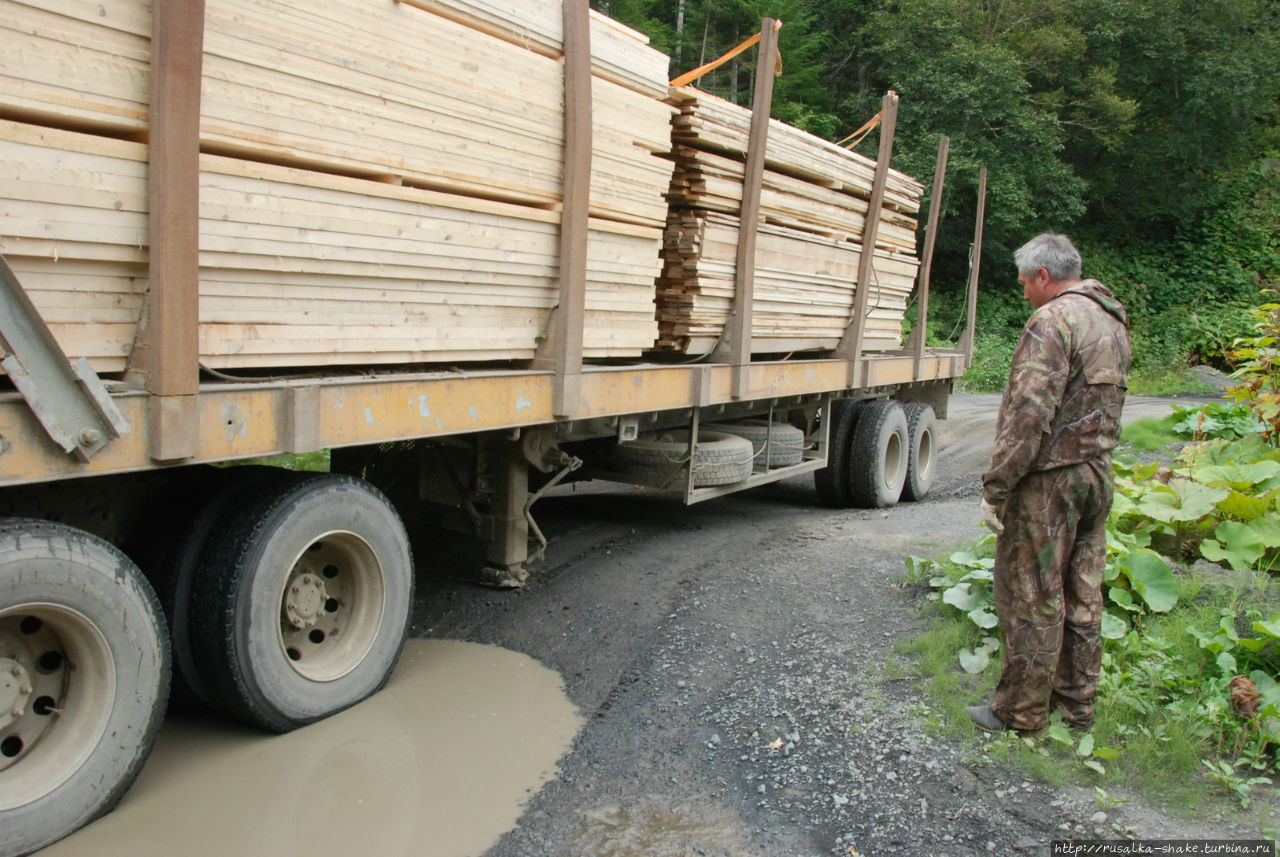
814, 204
380, 184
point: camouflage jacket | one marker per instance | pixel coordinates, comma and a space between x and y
1066, 388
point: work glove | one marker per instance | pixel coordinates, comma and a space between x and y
991, 517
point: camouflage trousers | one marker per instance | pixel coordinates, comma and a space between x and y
1050, 562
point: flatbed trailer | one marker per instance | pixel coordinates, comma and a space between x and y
136, 546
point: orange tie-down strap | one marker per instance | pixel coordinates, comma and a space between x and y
857, 136
690, 76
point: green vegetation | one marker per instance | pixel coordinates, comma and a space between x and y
311, 461
1149, 130
1189, 704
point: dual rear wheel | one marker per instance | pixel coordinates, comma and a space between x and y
879, 451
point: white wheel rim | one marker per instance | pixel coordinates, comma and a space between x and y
331, 606
925, 456
59, 694
895, 461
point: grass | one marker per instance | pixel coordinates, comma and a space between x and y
990, 371
1161, 747
1166, 382
311, 461
1150, 434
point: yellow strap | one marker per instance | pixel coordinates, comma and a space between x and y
867, 127
690, 76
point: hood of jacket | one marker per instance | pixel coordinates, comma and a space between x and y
1100, 294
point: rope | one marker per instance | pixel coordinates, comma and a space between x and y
690, 76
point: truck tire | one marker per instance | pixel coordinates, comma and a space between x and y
878, 455
659, 461
84, 663
176, 564
786, 442
832, 481
922, 451
302, 603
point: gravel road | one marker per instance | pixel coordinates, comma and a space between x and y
730, 662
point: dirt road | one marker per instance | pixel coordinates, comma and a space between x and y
727, 664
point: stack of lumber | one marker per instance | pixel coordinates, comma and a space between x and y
813, 209
381, 180
803, 290
538, 27
74, 227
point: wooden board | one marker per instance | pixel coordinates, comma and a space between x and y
619, 53
804, 293
711, 123
302, 269
365, 87
712, 182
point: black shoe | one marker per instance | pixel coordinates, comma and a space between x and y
985, 719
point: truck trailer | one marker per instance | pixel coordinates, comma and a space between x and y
463, 251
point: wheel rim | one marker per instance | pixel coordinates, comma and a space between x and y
57, 685
925, 457
331, 606
895, 462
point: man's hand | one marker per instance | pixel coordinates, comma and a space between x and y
991, 517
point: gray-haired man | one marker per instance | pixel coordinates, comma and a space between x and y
1049, 488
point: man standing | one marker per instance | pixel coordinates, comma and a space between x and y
1048, 491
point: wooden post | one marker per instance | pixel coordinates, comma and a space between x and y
735, 345
850, 347
169, 357
967, 339
920, 331
561, 349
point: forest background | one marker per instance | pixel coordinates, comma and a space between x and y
1148, 130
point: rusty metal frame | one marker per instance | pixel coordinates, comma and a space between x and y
256, 419
70, 401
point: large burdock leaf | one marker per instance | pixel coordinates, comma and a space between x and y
984, 617
1242, 544
1113, 627
975, 660
1151, 579
1239, 476
1247, 507
962, 598
1196, 500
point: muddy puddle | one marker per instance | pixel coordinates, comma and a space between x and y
440, 763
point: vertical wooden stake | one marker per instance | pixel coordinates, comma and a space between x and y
171, 341
966, 340
920, 332
850, 347
561, 349
735, 345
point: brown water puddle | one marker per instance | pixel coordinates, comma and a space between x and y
441, 762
